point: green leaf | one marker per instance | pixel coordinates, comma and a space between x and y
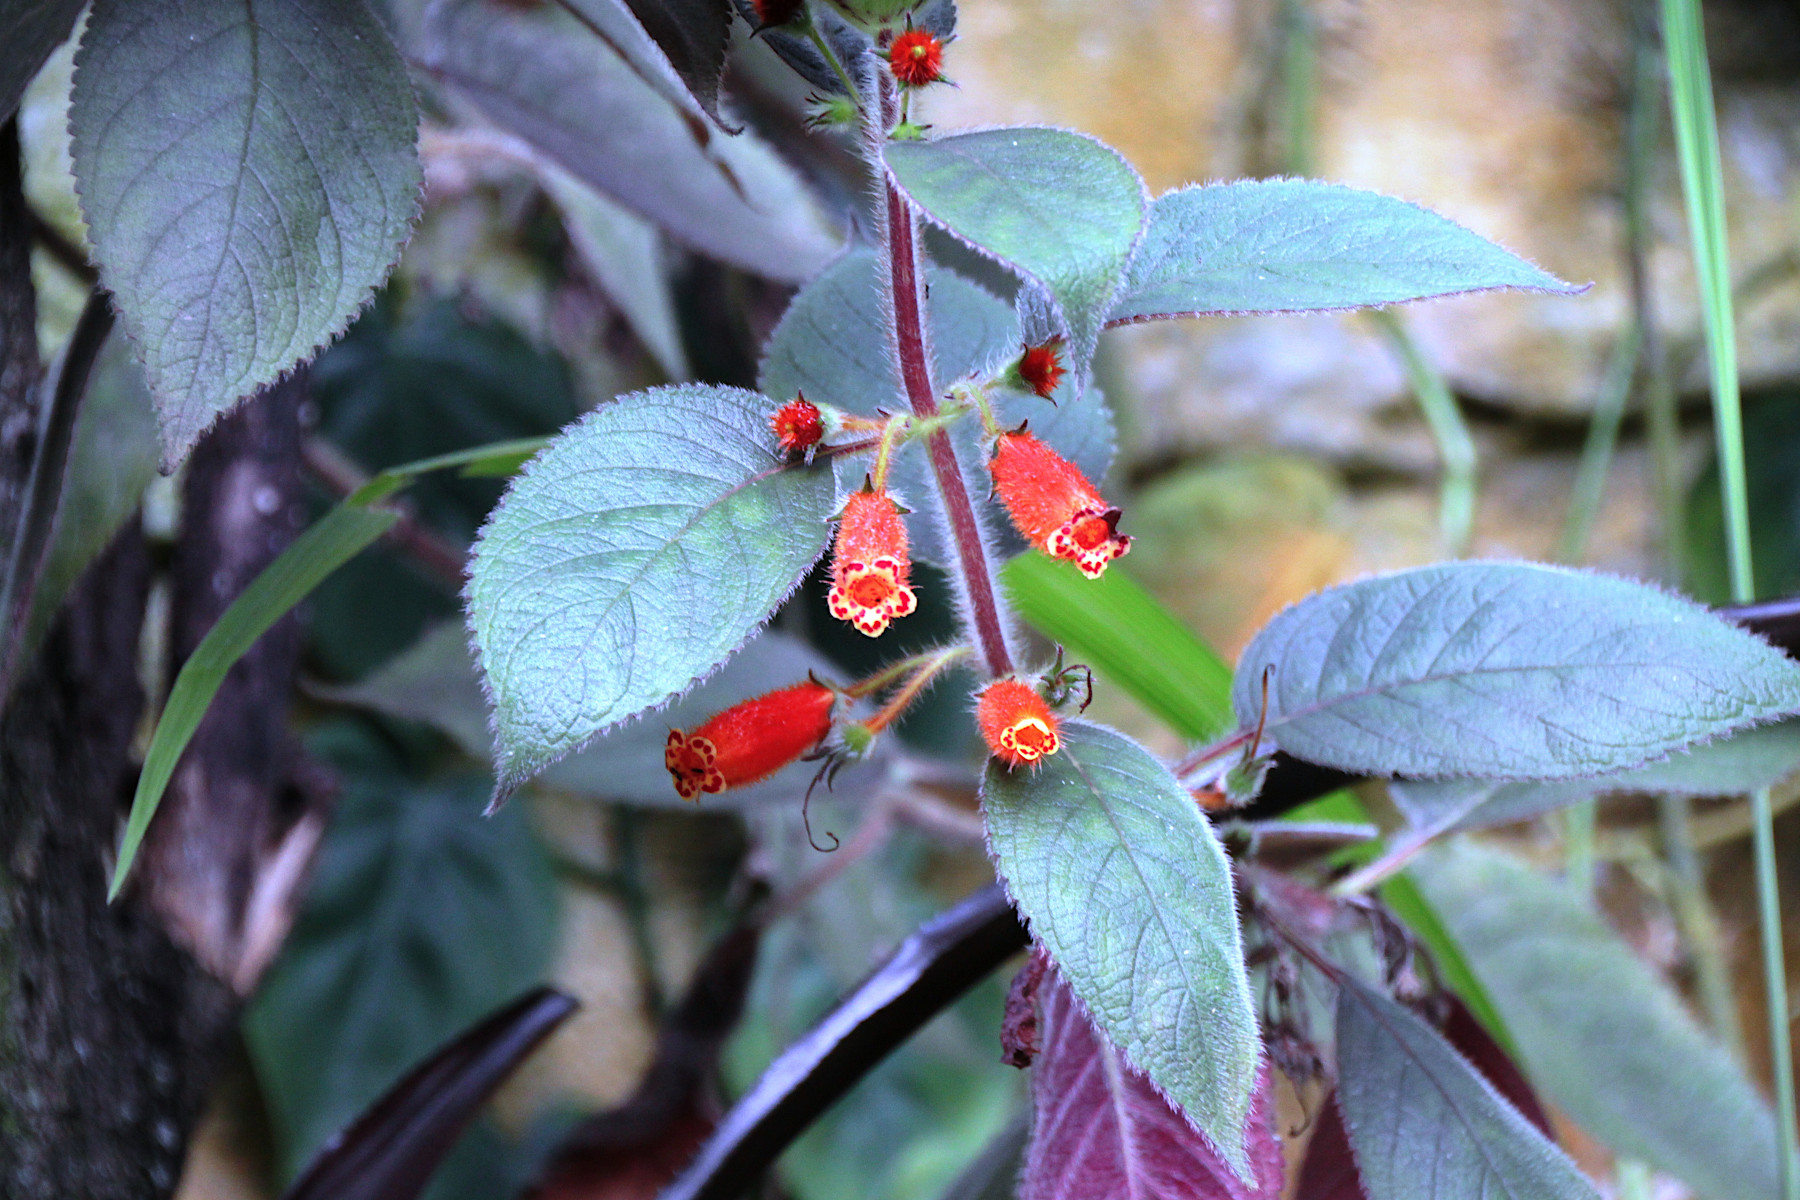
1509, 670
344, 533
1423, 1124
542, 76
248, 174
1113, 625
31, 30
1599, 1032
1063, 209
832, 344
1732, 766
420, 919
1111, 861
630, 560
1296, 245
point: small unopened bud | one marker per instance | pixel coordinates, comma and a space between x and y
1017, 723
749, 742
770, 13
871, 569
798, 425
917, 58
1053, 506
1040, 368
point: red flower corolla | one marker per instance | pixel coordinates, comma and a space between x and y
871, 572
751, 741
1016, 723
1053, 505
798, 425
917, 58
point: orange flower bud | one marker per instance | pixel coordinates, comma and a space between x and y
871, 573
798, 425
1041, 368
1053, 505
1016, 723
917, 58
751, 741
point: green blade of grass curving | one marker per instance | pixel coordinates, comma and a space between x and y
1697, 139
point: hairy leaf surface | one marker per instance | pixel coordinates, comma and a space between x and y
1124, 883
1063, 209
421, 918
1604, 1038
1423, 1124
1296, 245
692, 35
1732, 766
1102, 1131
248, 173
832, 342
31, 30
544, 77
1510, 670
630, 559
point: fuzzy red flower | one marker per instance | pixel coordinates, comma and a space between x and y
917, 58
770, 13
798, 425
1016, 723
1053, 505
751, 741
1041, 368
871, 572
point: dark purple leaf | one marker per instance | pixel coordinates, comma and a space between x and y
1103, 1132
1328, 1172
693, 34
391, 1150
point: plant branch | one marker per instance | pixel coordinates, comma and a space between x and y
987, 623
932, 968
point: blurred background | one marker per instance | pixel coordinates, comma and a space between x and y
1259, 459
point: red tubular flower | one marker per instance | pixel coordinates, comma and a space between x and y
917, 58
871, 573
798, 425
1016, 723
1041, 368
1053, 505
751, 741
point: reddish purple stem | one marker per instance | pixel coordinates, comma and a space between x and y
915, 374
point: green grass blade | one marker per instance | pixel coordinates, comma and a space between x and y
322, 549
1119, 629
1444, 417
1697, 139
493, 460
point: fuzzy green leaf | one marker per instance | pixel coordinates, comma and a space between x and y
1732, 766
1120, 875
1296, 245
1599, 1032
542, 76
1424, 1125
1509, 670
421, 917
832, 342
248, 174
1061, 208
630, 559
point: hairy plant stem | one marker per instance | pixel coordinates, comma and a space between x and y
986, 619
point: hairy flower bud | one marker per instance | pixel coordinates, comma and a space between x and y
871, 571
917, 58
798, 425
1053, 505
1040, 368
770, 13
1016, 723
749, 742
